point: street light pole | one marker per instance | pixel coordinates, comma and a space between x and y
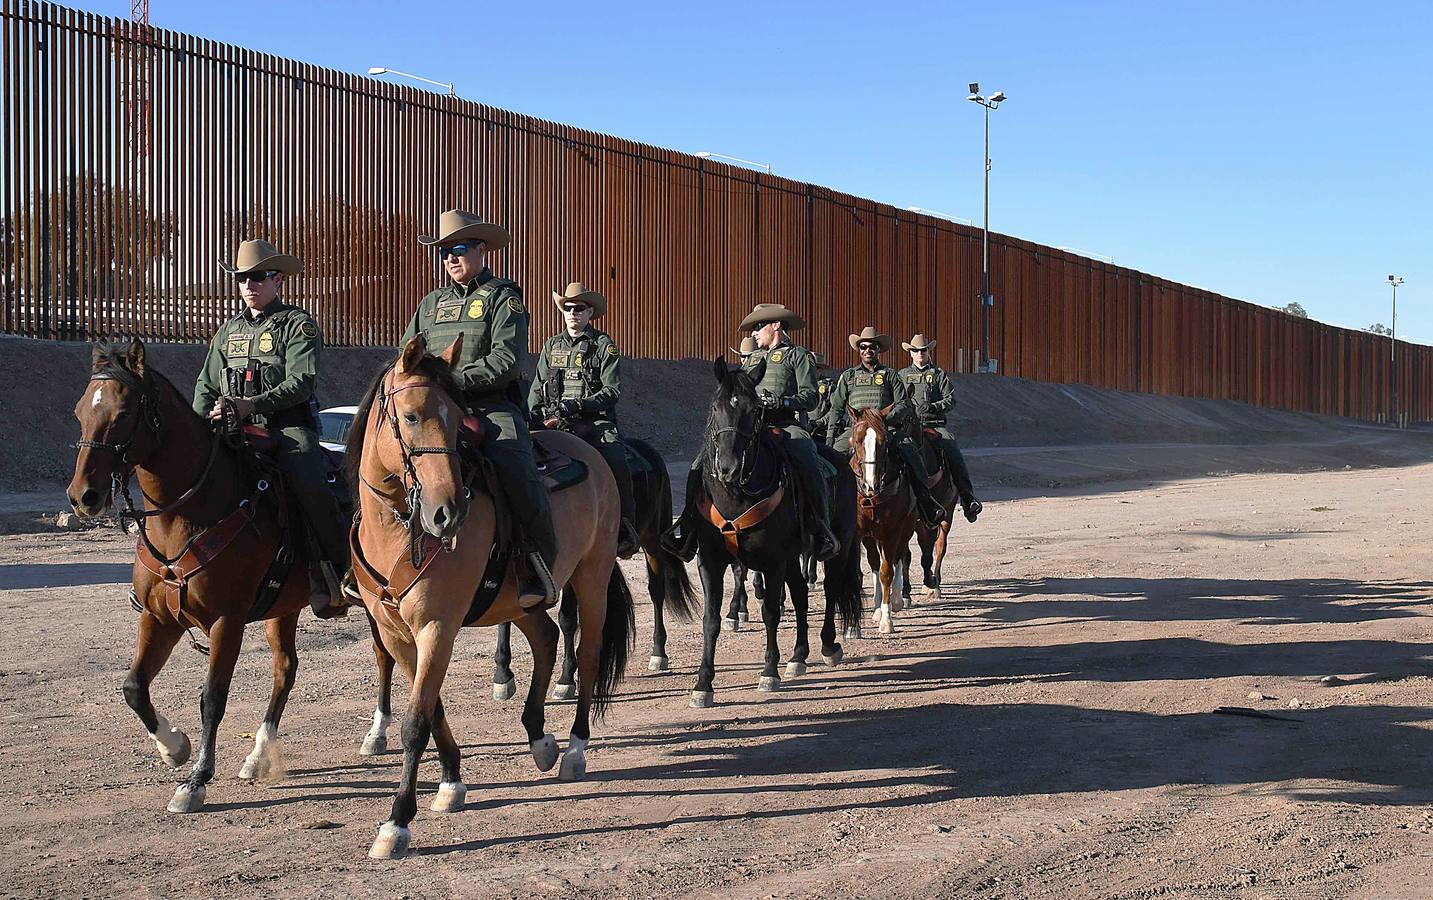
1393, 282
707, 154
986, 301
383, 70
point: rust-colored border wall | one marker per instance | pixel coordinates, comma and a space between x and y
125, 176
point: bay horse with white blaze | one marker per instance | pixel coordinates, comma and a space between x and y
210, 531
423, 547
886, 510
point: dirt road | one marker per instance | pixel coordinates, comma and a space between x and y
1045, 729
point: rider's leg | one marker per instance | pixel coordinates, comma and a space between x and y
930, 508
511, 452
812, 470
300, 458
681, 539
955, 460
615, 453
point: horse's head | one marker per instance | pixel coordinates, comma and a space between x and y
870, 438
119, 424
411, 437
734, 422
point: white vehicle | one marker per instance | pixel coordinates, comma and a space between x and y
333, 424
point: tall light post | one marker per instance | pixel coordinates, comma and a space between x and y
1393, 282
383, 70
986, 301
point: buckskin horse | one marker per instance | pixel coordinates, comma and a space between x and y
886, 510
750, 516
424, 548
667, 582
212, 528
931, 538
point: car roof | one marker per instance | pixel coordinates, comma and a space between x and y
349, 410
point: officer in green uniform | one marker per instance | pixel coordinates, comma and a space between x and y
932, 396
787, 388
488, 311
868, 384
265, 361
578, 383
824, 385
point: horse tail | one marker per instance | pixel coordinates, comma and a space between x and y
844, 585
618, 635
667, 567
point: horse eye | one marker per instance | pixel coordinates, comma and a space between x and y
410, 418
734, 403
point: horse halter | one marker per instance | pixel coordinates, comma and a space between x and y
148, 410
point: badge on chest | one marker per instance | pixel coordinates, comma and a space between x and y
237, 345
448, 312
266, 343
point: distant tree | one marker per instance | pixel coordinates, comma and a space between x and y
1379, 328
1295, 308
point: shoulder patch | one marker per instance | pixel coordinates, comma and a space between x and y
612, 350
308, 329
515, 304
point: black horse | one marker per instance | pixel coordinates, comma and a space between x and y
667, 582
748, 485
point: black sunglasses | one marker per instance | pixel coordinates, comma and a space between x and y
867, 345
457, 251
254, 276
574, 307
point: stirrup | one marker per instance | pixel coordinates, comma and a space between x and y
323, 588
972, 507
680, 541
824, 545
627, 539
538, 590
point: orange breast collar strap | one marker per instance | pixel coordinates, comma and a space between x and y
731, 529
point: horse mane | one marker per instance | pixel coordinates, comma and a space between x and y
432, 367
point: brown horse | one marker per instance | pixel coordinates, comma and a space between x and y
422, 550
210, 532
885, 510
932, 539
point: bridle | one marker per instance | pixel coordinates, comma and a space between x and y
879, 482
746, 461
412, 485
121, 475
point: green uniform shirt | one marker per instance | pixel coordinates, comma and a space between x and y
586, 368
283, 342
791, 375
490, 315
932, 394
860, 389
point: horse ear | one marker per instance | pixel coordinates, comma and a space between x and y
135, 356
450, 356
757, 372
412, 354
885, 413
852, 414
97, 355
720, 370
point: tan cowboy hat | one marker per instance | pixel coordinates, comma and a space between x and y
748, 347
260, 256
581, 293
918, 342
456, 226
869, 333
771, 312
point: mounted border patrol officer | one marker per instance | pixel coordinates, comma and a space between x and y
489, 312
787, 389
265, 362
579, 380
871, 383
932, 395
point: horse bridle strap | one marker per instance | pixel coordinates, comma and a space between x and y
731, 529
147, 410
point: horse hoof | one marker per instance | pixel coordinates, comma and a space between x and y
701, 700
574, 761
853, 633
187, 800
744, 616
506, 690
563, 691
933, 593
173, 745
730, 625
834, 657
450, 797
908, 600
544, 752
795, 668
251, 769
658, 664
887, 627
391, 843
897, 604
769, 683
376, 744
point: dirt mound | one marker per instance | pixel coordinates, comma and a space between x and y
665, 402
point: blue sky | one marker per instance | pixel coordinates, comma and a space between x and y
1270, 151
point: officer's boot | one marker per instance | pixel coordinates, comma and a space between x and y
964, 490
929, 508
326, 595
681, 539
536, 588
818, 514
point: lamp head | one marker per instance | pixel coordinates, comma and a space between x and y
377, 70
997, 97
